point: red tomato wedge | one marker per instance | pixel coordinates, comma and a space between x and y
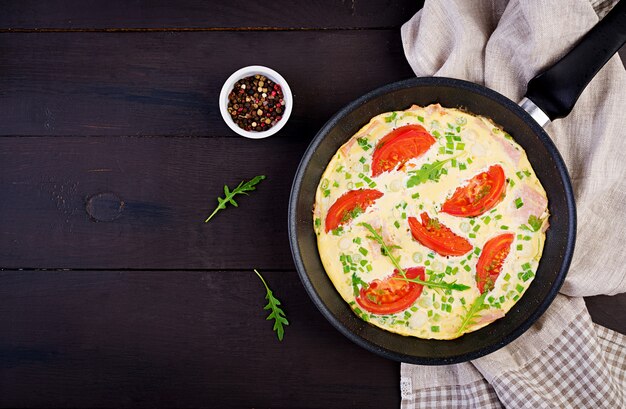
434, 235
481, 193
391, 294
350, 205
491, 259
400, 145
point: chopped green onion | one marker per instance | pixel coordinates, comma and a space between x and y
391, 117
434, 328
519, 203
503, 227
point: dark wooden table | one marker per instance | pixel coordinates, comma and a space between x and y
113, 292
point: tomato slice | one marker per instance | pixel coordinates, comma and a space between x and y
400, 145
391, 295
491, 259
481, 193
434, 235
350, 205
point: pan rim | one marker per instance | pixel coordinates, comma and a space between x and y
561, 171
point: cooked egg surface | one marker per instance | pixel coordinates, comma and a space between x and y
467, 145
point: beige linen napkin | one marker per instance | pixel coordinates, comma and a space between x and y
564, 360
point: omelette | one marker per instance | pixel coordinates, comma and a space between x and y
430, 222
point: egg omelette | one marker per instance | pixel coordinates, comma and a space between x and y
430, 222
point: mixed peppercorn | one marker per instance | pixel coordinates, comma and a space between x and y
256, 103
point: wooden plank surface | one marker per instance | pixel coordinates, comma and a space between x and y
202, 14
120, 203
168, 83
176, 339
112, 154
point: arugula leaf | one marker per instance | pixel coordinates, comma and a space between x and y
386, 251
242, 188
428, 171
432, 284
534, 222
277, 314
472, 313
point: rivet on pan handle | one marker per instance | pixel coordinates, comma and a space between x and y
553, 93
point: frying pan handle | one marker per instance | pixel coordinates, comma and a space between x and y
556, 90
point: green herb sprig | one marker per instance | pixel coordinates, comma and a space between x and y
472, 313
432, 284
241, 189
386, 250
276, 314
428, 171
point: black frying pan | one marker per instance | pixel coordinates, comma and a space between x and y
550, 95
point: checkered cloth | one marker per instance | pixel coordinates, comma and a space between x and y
564, 360
553, 380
